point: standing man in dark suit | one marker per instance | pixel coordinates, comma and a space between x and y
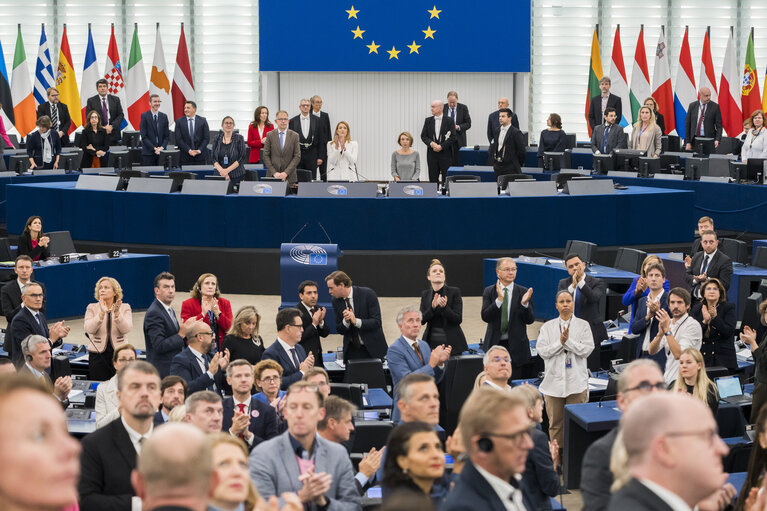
599, 104
111, 111
155, 131
358, 318
109, 454
244, 416
163, 333
459, 113
326, 134
507, 308
196, 365
30, 321
282, 152
192, 136
310, 133
439, 135
10, 295
286, 350
493, 121
704, 119
508, 148
588, 293
709, 263
608, 136
313, 317
59, 114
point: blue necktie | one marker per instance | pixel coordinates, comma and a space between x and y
295, 358
576, 299
604, 140
282, 140
40, 322
157, 129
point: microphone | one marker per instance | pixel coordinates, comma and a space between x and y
606, 397
326, 232
547, 256
299, 231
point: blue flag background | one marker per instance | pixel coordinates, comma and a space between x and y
398, 35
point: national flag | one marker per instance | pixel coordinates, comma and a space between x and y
684, 91
729, 92
595, 74
43, 71
21, 91
6, 100
707, 73
764, 93
113, 73
619, 84
661, 83
90, 76
137, 90
67, 83
640, 78
750, 99
183, 85
158, 81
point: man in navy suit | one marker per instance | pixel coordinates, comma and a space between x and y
313, 317
493, 120
286, 350
163, 333
459, 113
326, 133
192, 136
30, 321
645, 324
244, 416
409, 355
195, 363
358, 318
154, 132
608, 136
710, 263
439, 135
109, 108
59, 114
173, 392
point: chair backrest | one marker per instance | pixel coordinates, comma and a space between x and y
460, 373
737, 250
505, 179
369, 434
352, 392
367, 370
463, 178
629, 259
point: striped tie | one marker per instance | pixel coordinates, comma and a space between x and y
55, 117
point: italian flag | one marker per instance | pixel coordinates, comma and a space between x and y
135, 82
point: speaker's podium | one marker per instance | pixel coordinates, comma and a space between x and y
308, 261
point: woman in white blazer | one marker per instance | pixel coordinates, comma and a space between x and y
755, 145
107, 322
107, 404
342, 155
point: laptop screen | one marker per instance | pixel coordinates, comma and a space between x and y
729, 386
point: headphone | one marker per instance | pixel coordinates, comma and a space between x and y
484, 444
25, 348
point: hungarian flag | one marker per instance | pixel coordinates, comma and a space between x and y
640, 78
158, 81
684, 91
114, 75
661, 83
138, 92
90, 76
21, 90
750, 99
595, 74
729, 92
183, 85
6, 100
67, 83
707, 74
618, 79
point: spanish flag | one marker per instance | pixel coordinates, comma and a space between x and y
67, 83
595, 74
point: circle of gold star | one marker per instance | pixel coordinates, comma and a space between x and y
394, 52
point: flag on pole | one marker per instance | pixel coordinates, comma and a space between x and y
640, 78
618, 79
661, 83
750, 99
595, 74
6, 112
90, 76
764, 93
21, 91
730, 91
707, 74
138, 92
183, 85
67, 83
114, 74
158, 82
684, 91
43, 71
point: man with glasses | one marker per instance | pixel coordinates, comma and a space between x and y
31, 321
319, 377
286, 350
310, 137
245, 416
497, 364
195, 364
282, 152
640, 377
107, 404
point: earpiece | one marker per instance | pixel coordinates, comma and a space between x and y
485, 444
29, 358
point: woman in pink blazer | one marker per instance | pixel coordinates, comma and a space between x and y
207, 305
107, 322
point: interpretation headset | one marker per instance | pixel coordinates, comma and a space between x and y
485, 444
25, 348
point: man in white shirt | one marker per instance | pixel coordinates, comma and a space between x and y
508, 147
246, 417
497, 362
326, 133
676, 332
313, 152
439, 135
313, 316
286, 350
37, 354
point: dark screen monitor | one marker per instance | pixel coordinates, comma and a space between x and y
630, 259
648, 166
585, 249
553, 161
759, 258
178, 179
763, 287
738, 171
628, 159
170, 160
755, 170
694, 168
670, 143
119, 160
703, 145
60, 243
749, 315
603, 163
628, 349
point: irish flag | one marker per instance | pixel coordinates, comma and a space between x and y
640, 77
661, 82
595, 74
135, 78
618, 76
750, 99
729, 92
67, 83
21, 91
684, 91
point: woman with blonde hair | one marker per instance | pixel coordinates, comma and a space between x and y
107, 323
694, 380
342, 155
646, 134
243, 340
639, 286
235, 491
206, 304
405, 162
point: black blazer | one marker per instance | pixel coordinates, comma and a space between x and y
116, 115
186, 366
616, 138
494, 123
185, 142
263, 420
720, 267
367, 309
473, 492
595, 109
316, 134
446, 136
660, 121
310, 339
106, 462
64, 119
98, 139
326, 132
25, 248
718, 346
540, 481
161, 338
462, 120
519, 318
290, 374
448, 318
150, 136
35, 147
10, 298
637, 497
159, 420
596, 477
24, 324
512, 154
712, 122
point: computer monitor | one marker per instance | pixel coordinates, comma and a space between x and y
630, 259
170, 159
755, 170
585, 249
694, 168
553, 161
603, 163
737, 170
648, 166
759, 257
670, 143
178, 179
60, 243
749, 315
627, 160
719, 165
703, 145
119, 160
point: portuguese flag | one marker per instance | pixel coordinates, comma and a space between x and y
749, 98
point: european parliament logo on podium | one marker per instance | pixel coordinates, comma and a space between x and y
309, 254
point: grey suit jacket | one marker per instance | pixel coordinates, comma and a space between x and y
282, 160
274, 470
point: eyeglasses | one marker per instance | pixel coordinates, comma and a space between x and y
205, 333
515, 438
298, 326
500, 359
281, 119
271, 379
646, 386
36, 295
707, 434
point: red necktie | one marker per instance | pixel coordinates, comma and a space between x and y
241, 406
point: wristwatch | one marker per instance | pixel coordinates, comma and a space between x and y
667, 333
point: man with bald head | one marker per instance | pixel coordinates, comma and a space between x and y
439, 135
493, 120
704, 119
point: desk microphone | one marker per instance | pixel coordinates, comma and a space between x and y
547, 256
606, 398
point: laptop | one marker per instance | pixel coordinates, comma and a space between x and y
730, 391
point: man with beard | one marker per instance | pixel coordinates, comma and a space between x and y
173, 390
195, 363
